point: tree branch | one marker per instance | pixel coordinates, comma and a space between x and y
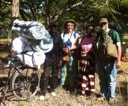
9, 2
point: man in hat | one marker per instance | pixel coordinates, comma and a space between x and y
52, 63
107, 66
68, 75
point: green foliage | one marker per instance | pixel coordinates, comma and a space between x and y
4, 15
82, 11
5, 19
124, 2
30, 9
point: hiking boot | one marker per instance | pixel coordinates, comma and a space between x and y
111, 101
101, 99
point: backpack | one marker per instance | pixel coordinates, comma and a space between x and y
118, 28
32, 59
30, 29
104, 45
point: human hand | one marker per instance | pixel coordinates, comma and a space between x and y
118, 63
60, 63
66, 50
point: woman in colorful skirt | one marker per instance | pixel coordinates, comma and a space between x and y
87, 63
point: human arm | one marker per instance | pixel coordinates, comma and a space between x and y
118, 61
60, 50
119, 49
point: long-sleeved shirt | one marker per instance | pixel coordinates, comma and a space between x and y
57, 46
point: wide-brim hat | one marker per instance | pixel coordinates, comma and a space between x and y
70, 20
102, 20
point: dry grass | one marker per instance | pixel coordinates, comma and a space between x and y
5, 41
64, 98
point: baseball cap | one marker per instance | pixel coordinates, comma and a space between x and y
102, 20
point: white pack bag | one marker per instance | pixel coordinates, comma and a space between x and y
32, 59
19, 44
29, 29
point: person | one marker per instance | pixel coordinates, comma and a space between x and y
68, 75
52, 63
87, 62
107, 66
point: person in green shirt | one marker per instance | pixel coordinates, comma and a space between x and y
107, 66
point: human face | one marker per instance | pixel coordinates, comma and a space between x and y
70, 27
104, 25
53, 29
89, 29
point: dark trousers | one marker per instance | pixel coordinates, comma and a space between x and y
50, 75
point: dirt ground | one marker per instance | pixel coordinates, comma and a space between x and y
65, 98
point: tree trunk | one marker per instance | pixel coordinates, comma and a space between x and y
15, 9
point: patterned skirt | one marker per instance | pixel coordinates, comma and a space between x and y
69, 73
87, 72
